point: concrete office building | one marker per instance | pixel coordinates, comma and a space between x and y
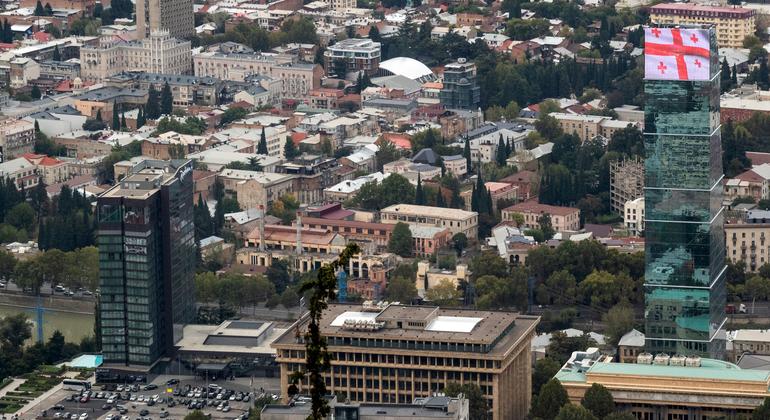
395, 353
174, 16
146, 263
664, 387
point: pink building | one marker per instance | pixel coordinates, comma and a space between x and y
427, 240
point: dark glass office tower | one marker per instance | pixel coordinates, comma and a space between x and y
146, 262
684, 244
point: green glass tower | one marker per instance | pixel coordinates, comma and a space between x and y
684, 236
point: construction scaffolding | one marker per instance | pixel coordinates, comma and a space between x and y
626, 182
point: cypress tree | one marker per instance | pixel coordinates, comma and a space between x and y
56, 54
152, 109
41, 239
166, 100
140, 120
467, 154
98, 115
123, 125
39, 11
48, 9
440, 199
501, 156
474, 199
419, 194
262, 147
115, 117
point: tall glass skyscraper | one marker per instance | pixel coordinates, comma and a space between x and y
147, 257
684, 236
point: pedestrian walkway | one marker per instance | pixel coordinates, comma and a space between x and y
42, 397
12, 386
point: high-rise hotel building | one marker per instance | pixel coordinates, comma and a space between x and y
684, 236
146, 239
396, 353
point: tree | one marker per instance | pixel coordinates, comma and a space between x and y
14, 331
562, 346
318, 359
115, 116
232, 114
140, 119
419, 194
443, 294
7, 264
39, 10
548, 127
387, 153
36, 94
549, 401
459, 241
501, 155
401, 240
262, 146
123, 124
152, 108
478, 408
401, 289
620, 416
54, 347
545, 226
598, 400
467, 154
289, 149
574, 412
518, 219
196, 415
762, 412
48, 9
618, 321
21, 216
544, 370
166, 100
339, 68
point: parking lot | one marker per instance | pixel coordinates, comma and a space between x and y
171, 399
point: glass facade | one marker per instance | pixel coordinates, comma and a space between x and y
684, 236
146, 266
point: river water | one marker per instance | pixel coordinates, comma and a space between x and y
74, 326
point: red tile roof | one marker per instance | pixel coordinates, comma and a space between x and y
758, 158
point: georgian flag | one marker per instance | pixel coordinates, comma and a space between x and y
676, 54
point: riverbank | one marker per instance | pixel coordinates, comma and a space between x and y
54, 303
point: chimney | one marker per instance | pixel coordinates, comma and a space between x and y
262, 228
299, 232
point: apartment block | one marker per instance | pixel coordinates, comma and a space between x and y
588, 127
633, 216
562, 218
748, 240
733, 24
252, 188
175, 16
17, 137
358, 54
396, 353
457, 221
626, 182
158, 53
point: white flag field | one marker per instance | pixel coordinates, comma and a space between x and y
676, 54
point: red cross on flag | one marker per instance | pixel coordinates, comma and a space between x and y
676, 54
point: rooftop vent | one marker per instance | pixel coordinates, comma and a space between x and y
661, 359
644, 359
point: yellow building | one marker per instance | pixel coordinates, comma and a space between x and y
663, 387
396, 353
733, 24
456, 220
748, 240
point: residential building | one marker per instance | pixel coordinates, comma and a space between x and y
733, 24
237, 66
630, 346
358, 54
396, 353
146, 260
428, 277
684, 226
345, 190
754, 183
661, 386
562, 218
456, 165
497, 190
174, 16
21, 172
411, 170
460, 89
185, 89
171, 144
458, 221
252, 188
588, 127
748, 240
17, 137
427, 240
746, 341
64, 119
158, 53
626, 182
50, 170
312, 175
525, 183
218, 157
424, 408
369, 235
633, 216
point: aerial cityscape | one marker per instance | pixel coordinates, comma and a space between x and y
385, 209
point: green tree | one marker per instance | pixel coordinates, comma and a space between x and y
152, 107
560, 289
618, 321
54, 348
598, 400
522, 30
502, 292
387, 153
575, 412
546, 226
459, 242
550, 400
166, 100
48, 9
489, 263
262, 146
289, 149
444, 294
544, 370
36, 94
115, 117
318, 359
7, 264
140, 119
478, 408
562, 346
501, 155
401, 289
21, 216
419, 194
14, 331
196, 415
620, 416
39, 10
762, 412
401, 240
548, 127
232, 114
518, 219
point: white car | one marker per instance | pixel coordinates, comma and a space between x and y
109, 417
111, 401
84, 416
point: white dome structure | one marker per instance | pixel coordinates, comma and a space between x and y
409, 68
